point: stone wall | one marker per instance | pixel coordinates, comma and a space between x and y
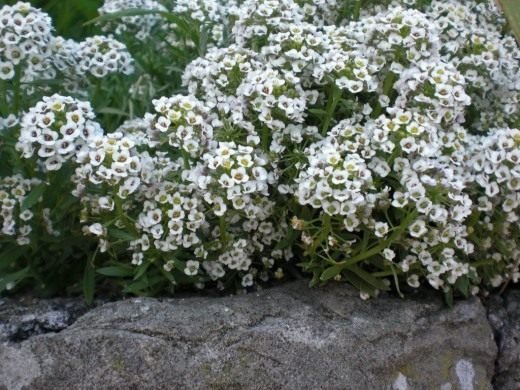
289, 337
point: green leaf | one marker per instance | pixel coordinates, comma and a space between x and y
141, 270
368, 278
182, 23
462, 284
139, 287
512, 11
203, 41
111, 111
330, 272
10, 255
121, 14
289, 239
359, 283
448, 297
14, 277
136, 287
89, 283
121, 234
117, 271
315, 278
34, 196
317, 111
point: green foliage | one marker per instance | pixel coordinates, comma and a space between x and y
69, 17
218, 159
512, 11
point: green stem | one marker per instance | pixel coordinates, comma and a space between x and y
186, 159
388, 85
334, 96
16, 91
3, 98
378, 248
223, 231
264, 139
325, 230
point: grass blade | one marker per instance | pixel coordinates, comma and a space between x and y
511, 9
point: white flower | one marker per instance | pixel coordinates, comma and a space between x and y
381, 229
418, 228
192, 268
97, 229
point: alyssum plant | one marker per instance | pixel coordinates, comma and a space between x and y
367, 143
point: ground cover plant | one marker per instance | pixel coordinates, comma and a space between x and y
223, 144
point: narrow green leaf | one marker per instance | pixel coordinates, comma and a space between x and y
139, 287
512, 11
289, 239
330, 272
14, 277
121, 234
181, 22
136, 287
462, 284
448, 297
89, 283
367, 277
10, 255
118, 271
203, 41
121, 14
141, 270
111, 111
34, 196
317, 111
359, 283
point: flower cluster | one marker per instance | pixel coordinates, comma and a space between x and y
15, 219
139, 26
183, 122
25, 37
379, 145
57, 129
101, 55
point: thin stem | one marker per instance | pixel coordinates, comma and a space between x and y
334, 96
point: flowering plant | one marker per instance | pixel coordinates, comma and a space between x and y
361, 143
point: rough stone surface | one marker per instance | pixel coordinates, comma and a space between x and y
288, 337
504, 316
24, 317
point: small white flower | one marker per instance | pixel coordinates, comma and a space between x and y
192, 268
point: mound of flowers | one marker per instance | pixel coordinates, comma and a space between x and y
378, 146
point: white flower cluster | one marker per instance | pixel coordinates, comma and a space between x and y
473, 41
30, 53
25, 37
57, 129
139, 26
10, 121
384, 150
183, 122
15, 220
212, 14
258, 19
110, 159
495, 173
101, 55
436, 90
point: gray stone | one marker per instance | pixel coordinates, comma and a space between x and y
289, 337
25, 317
504, 316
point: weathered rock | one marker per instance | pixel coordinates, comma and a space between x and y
504, 316
24, 317
289, 337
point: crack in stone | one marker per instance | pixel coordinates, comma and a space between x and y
19, 327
